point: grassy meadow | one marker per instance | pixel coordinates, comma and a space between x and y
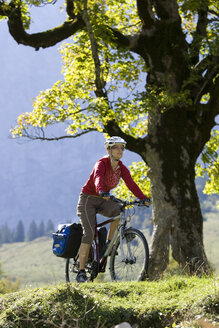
35, 265
171, 302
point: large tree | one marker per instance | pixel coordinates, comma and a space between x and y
173, 45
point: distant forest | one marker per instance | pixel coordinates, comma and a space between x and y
20, 234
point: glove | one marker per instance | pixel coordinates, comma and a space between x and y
146, 202
104, 195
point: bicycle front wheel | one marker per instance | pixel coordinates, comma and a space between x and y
133, 264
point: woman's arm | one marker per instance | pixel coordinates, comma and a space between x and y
99, 171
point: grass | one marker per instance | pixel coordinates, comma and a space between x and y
211, 240
164, 303
32, 262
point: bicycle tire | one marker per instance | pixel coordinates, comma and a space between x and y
72, 268
129, 269
70, 265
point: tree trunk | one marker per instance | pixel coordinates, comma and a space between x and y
177, 217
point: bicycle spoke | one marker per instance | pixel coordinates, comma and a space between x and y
134, 265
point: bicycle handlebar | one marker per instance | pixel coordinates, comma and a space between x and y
126, 203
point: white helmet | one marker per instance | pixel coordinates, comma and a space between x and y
114, 140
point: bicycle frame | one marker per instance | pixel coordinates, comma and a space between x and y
118, 232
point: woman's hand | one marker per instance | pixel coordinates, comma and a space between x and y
146, 201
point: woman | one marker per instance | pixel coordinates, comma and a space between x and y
94, 197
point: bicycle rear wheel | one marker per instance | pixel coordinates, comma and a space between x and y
72, 268
135, 264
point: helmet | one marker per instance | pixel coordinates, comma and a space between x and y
114, 140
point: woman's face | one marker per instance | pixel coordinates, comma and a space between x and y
117, 151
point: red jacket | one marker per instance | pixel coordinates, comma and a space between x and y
104, 178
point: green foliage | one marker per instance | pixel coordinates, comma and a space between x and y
24, 8
210, 166
74, 100
138, 171
188, 10
106, 304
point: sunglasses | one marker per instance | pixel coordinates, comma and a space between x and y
119, 147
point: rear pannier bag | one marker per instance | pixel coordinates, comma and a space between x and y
102, 233
67, 240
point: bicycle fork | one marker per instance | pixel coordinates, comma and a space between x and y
120, 231
127, 260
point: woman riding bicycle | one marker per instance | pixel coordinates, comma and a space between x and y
94, 197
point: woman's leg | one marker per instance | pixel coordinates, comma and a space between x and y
111, 209
112, 229
86, 210
83, 255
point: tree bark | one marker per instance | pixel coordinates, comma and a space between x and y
171, 155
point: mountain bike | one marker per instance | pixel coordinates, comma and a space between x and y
128, 250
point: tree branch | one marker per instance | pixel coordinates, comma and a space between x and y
145, 12
70, 9
211, 64
207, 114
199, 34
111, 127
99, 82
5, 9
121, 40
133, 144
214, 98
167, 10
213, 12
40, 135
43, 39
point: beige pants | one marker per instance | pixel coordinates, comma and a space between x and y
88, 207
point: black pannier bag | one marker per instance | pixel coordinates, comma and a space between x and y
102, 233
67, 240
